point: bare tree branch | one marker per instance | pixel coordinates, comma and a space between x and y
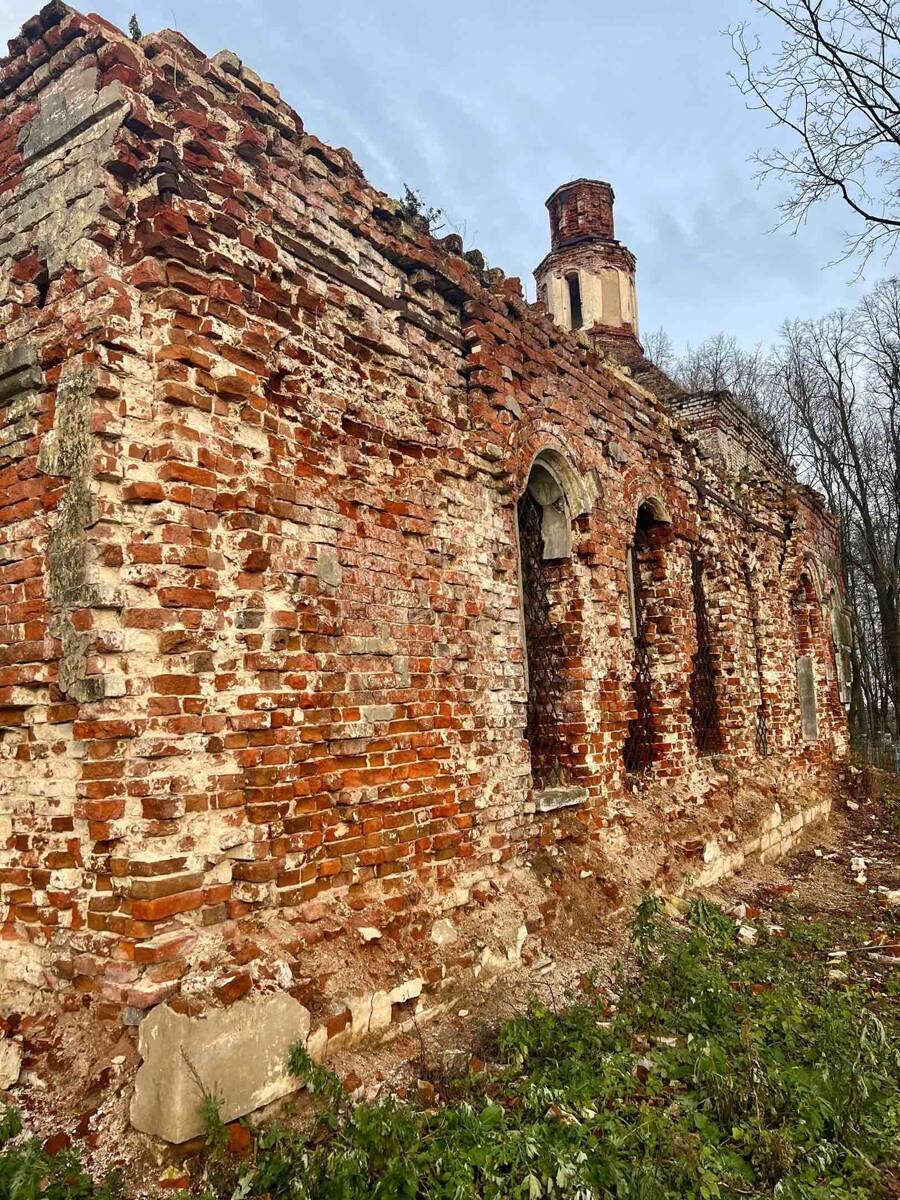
832, 86
829, 394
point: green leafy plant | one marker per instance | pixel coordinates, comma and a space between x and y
27, 1172
417, 212
320, 1081
725, 1070
721, 1070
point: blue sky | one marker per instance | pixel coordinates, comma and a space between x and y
487, 105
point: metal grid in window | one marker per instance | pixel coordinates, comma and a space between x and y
638, 749
544, 649
704, 705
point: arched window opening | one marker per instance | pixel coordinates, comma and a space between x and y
804, 611
639, 749
704, 704
762, 707
544, 539
574, 285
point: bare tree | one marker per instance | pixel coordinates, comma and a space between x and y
833, 88
840, 379
659, 349
721, 364
829, 394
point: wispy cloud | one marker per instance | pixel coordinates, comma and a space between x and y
486, 107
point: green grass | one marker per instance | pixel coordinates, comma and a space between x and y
724, 1070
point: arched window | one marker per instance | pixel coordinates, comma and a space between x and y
574, 285
545, 538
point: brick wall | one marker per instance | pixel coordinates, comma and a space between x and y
728, 433
581, 209
261, 651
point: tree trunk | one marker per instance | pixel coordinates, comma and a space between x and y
859, 710
892, 651
890, 625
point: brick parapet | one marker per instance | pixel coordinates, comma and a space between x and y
730, 434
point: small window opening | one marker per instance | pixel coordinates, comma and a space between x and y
42, 283
574, 285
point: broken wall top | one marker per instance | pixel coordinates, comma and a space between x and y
141, 112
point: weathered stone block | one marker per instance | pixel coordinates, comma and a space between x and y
237, 1054
443, 932
552, 799
10, 1063
328, 568
369, 1013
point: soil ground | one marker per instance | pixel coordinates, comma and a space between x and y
849, 868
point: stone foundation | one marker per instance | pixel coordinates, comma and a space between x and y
779, 834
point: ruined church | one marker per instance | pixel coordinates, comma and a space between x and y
365, 629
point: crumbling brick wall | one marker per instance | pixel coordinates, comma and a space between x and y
261, 645
728, 432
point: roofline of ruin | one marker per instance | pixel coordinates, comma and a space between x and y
462, 270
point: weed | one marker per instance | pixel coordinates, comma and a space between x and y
892, 807
727, 1070
724, 1070
416, 211
27, 1172
320, 1081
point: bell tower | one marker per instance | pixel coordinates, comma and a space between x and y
587, 280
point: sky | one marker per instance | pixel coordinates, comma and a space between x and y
486, 106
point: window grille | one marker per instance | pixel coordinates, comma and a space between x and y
638, 751
704, 706
544, 650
